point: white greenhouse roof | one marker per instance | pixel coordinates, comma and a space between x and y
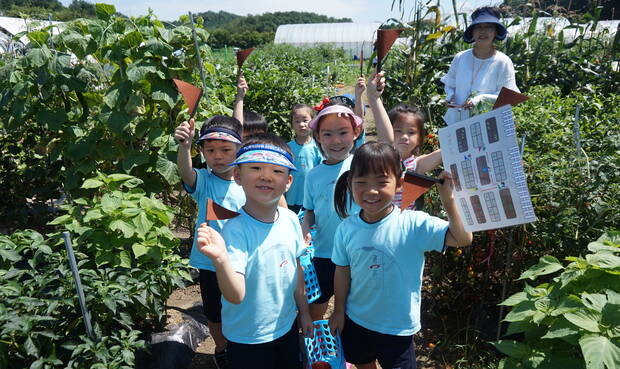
349, 36
559, 24
10, 27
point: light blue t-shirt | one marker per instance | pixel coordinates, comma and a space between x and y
266, 254
225, 193
387, 260
319, 197
306, 157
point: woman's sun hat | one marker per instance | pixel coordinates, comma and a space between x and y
485, 16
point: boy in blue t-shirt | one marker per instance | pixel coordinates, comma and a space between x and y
257, 265
220, 138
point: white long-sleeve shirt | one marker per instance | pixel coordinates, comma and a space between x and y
484, 77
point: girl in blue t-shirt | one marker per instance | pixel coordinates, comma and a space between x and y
305, 153
335, 129
379, 257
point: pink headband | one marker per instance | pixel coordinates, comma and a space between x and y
335, 109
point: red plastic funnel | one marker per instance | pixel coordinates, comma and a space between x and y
191, 94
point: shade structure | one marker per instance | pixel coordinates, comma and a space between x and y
191, 94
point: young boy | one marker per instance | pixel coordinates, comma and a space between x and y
219, 141
257, 265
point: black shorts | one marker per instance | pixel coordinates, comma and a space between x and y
211, 296
282, 353
325, 270
362, 346
295, 208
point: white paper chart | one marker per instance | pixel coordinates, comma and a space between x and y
483, 157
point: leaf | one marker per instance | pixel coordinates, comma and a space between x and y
61, 220
512, 348
38, 37
92, 183
585, 319
515, 299
104, 11
561, 328
118, 121
119, 177
120, 225
109, 203
138, 249
434, 36
599, 352
157, 47
605, 261
168, 170
611, 318
546, 265
132, 39
143, 224
135, 159
51, 119
523, 311
30, 347
125, 258
92, 214
10, 255
594, 301
38, 57
139, 70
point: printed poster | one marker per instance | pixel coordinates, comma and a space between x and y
483, 157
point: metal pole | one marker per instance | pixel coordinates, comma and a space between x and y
200, 67
78, 286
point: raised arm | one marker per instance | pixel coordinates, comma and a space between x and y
376, 86
457, 235
242, 89
342, 284
231, 283
184, 134
427, 162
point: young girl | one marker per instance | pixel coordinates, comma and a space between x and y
379, 257
402, 127
478, 74
305, 151
335, 129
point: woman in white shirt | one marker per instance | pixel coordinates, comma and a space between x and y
478, 74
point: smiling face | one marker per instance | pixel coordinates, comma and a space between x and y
374, 193
218, 154
407, 134
262, 183
336, 137
484, 34
301, 118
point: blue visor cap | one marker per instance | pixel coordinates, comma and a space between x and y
261, 153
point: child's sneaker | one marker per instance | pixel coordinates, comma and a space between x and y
220, 360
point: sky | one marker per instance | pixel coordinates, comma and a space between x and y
360, 11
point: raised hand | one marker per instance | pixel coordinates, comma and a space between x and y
210, 242
360, 86
184, 133
242, 87
376, 85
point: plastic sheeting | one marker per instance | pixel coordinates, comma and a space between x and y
9, 27
349, 36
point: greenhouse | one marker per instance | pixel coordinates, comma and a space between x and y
352, 37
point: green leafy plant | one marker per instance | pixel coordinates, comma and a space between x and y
573, 321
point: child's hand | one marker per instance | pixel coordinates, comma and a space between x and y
242, 87
376, 85
308, 238
184, 133
445, 188
210, 242
307, 326
336, 323
360, 86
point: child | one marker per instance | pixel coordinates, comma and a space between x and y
307, 155
402, 127
478, 74
335, 129
379, 257
219, 141
253, 123
257, 265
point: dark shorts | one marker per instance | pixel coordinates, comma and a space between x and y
283, 353
295, 208
211, 296
325, 270
362, 346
